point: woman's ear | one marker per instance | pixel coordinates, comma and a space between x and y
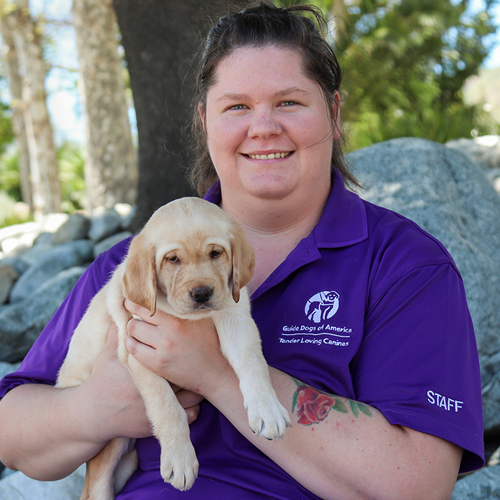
336, 115
139, 278
201, 111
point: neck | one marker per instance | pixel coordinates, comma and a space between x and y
261, 218
274, 229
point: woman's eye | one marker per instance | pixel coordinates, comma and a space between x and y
214, 254
288, 103
237, 107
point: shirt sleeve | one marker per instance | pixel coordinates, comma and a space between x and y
41, 364
418, 362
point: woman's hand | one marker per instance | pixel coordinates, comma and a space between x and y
187, 353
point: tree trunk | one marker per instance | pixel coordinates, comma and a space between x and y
43, 159
111, 167
339, 15
11, 64
160, 40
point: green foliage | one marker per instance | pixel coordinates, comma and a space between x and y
9, 174
71, 164
405, 63
11, 211
6, 132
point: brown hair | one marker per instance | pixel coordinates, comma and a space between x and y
259, 25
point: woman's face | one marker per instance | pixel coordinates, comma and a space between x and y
268, 126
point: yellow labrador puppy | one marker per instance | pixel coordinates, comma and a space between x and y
193, 261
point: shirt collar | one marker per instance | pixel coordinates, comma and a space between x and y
343, 222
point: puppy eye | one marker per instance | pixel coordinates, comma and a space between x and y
173, 259
214, 254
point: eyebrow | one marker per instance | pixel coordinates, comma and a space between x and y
242, 97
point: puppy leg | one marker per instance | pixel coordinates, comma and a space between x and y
179, 465
86, 344
99, 479
240, 343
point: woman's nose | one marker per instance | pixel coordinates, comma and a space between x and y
264, 125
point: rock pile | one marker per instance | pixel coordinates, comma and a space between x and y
34, 280
439, 187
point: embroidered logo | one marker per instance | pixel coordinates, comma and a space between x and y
322, 306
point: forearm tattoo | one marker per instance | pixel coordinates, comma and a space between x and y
313, 406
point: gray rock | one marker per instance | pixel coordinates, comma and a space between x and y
481, 485
105, 225
106, 244
448, 195
17, 486
34, 253
50, 264
8, 276
75, 228
485, 151
22, 323
6, 368
20, 265
44, 239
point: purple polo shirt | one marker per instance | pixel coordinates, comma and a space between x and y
368, 306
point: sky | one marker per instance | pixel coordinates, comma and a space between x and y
64, 106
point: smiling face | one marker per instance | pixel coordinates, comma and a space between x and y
269, 128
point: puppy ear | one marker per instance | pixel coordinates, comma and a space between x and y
139, 278
243, 261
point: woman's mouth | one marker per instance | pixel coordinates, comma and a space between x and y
270, 156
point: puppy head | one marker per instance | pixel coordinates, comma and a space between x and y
190, 254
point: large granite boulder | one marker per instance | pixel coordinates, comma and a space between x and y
449, 196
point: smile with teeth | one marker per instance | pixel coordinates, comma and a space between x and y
271, 156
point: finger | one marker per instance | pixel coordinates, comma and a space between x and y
138, 311
141, 330
138, 349
188, 399
192, 413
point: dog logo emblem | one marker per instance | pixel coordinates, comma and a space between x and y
322, 306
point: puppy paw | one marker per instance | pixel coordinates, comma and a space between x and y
268, 418
179, 467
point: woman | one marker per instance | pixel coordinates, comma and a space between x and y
362, 315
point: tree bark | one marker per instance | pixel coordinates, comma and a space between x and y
161, 39
11, 64
111, 167
43, 158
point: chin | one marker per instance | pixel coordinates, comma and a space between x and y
276, 190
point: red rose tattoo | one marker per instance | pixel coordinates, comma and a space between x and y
313, 406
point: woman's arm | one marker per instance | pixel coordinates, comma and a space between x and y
348, 454
48, 432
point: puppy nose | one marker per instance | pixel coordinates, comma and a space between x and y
201, 294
